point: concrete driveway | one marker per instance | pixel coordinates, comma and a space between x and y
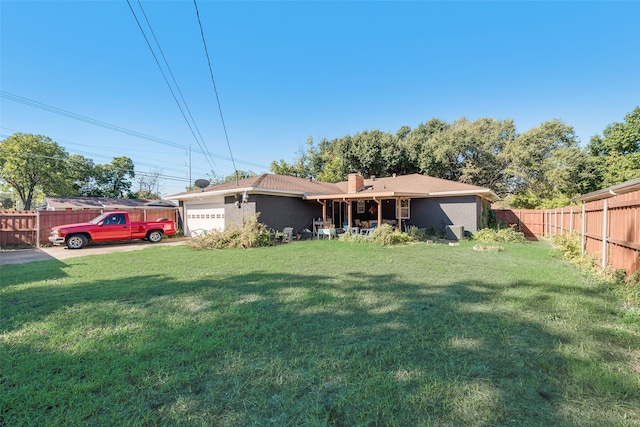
22, 256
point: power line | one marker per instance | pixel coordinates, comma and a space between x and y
215, 89
67, 160
175, 82
209, 158
104, 156
95, 122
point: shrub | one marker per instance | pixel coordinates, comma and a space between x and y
384, 235
251, 235
633, 288
569, 244
354, 238
416, 233
500, 235
434, 232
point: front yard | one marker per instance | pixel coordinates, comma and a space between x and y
316, 333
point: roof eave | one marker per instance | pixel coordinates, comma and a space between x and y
605, 193
365, 195
486, 193
231, 191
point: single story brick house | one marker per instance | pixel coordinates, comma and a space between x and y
286, 201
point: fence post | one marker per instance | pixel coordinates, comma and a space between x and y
38, 229
546, 223
570, 220
604, 233
584, 228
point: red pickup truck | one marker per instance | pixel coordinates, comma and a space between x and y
110, 226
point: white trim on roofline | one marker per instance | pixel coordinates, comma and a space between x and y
490, 194
250, 190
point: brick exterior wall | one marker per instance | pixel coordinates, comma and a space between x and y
442, 211
279, 212
237, 215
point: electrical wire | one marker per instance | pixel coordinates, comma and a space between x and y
175, 81
215, 89
95, 122
209, 159
142, 173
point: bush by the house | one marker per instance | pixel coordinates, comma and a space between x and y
416, 233
251, 235
384, 235
500, 235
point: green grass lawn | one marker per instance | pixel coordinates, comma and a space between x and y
314, 334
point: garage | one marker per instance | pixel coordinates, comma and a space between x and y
201, 218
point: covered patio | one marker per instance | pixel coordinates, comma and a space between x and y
364, 210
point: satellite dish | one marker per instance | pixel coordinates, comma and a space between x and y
202, 183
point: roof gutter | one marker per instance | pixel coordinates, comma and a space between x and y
251, 190
488, 194
615, 190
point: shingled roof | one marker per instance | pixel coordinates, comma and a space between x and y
415, 185
69, 202
267, 183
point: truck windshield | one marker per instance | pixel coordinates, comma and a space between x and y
97, 219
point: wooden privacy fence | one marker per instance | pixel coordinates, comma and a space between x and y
609, 228
32, 228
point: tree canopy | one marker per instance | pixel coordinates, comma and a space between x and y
32, 163
544, 166
35, 165
615, 155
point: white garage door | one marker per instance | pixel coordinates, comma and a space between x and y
204, 218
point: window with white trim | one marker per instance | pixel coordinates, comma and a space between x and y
405, 212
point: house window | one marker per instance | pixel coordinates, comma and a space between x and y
360, 208
405, 212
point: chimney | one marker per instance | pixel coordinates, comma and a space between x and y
373, 177
394, 175
356, 182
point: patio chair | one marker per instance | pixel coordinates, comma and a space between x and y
368, 231
329, 232
288, 233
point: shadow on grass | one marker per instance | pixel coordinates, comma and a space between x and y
282, 349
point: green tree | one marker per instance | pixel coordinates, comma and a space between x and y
333, 170
239, 174
616, 154
467, 151
78, 176
546, 163
302, 165
32, 163
113, 179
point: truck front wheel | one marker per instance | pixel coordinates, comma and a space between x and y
76, 241
154, 236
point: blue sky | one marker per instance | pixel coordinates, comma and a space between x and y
285, 71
